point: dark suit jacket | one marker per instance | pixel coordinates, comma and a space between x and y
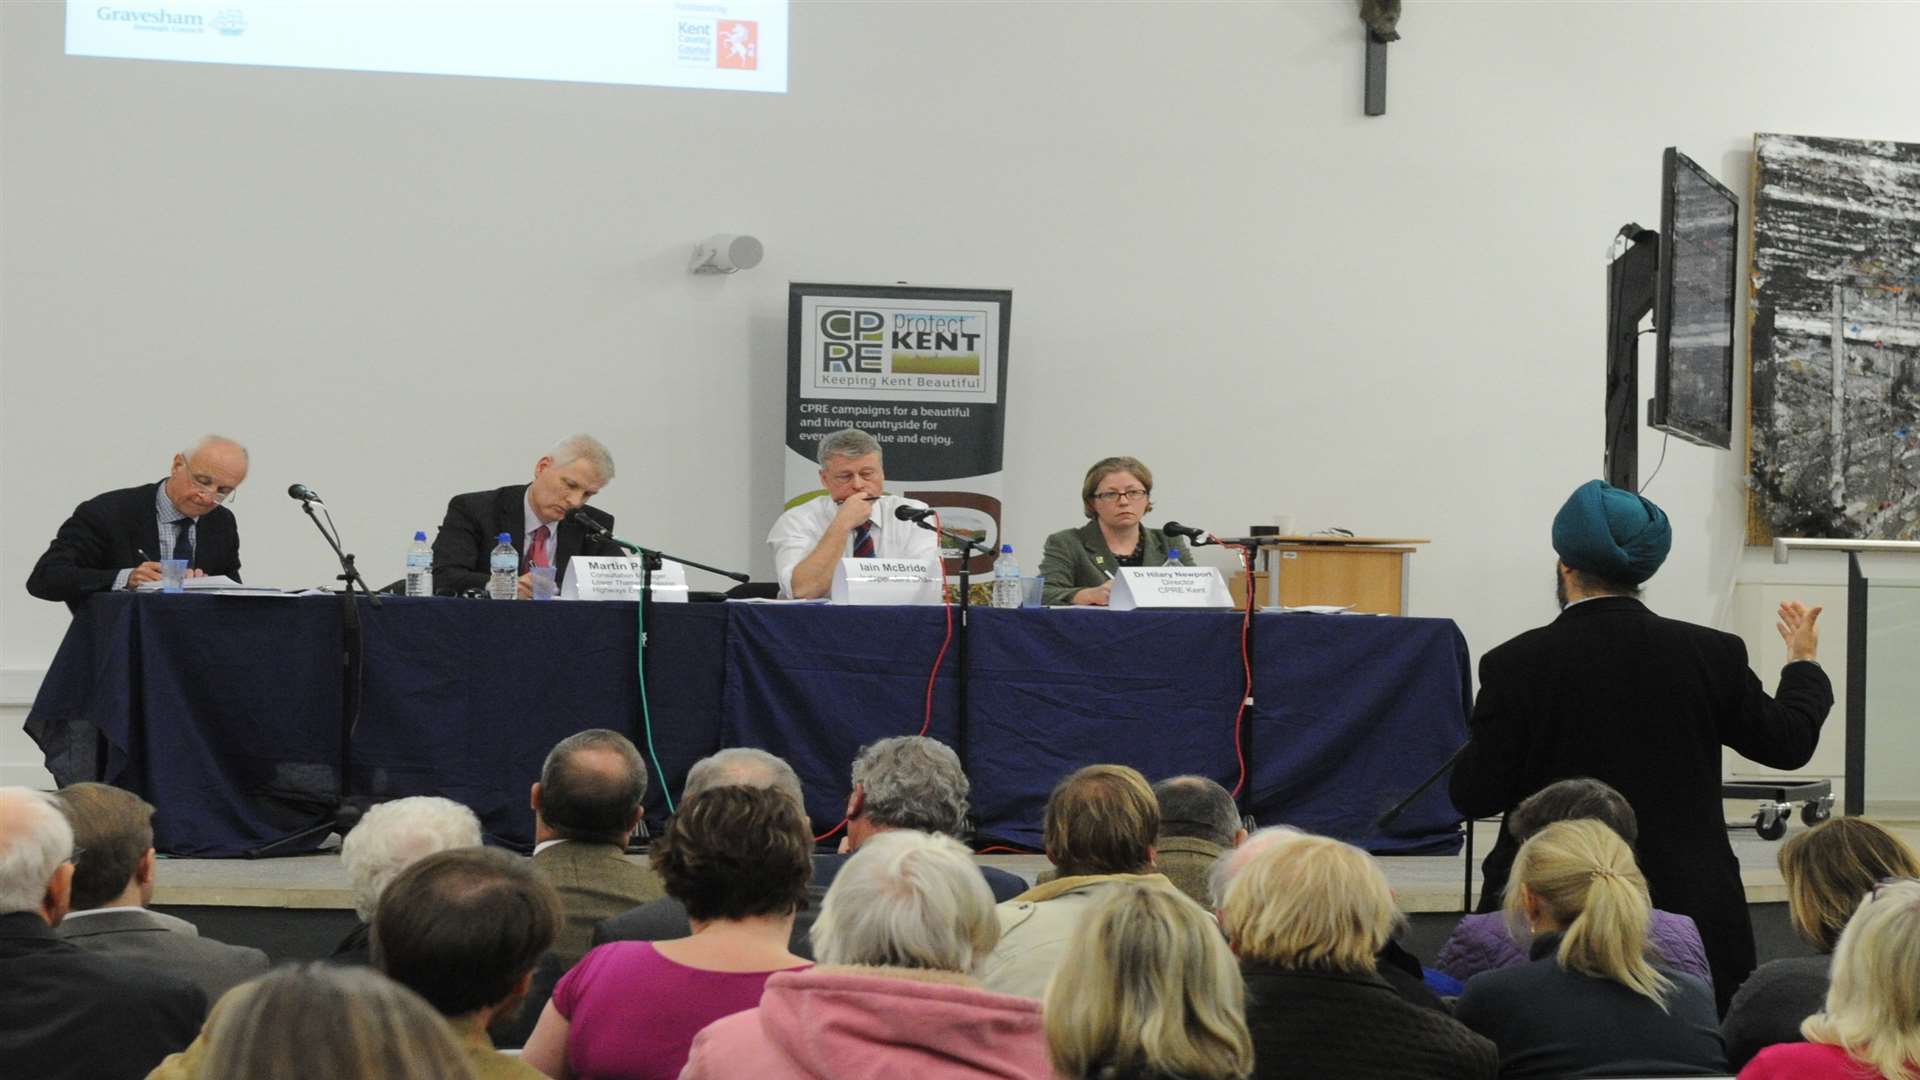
65, 1012
162, 941
1076, 559
472, 528
105, 536
1354, 1027
1612, 691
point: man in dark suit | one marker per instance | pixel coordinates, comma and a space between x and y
537, 517
65, 1013
118, 540
1612, 691
113, 883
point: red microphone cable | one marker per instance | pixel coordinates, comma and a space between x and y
1246, 664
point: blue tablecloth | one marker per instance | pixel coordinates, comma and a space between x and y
225, 711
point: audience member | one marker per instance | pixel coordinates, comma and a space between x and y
1484, 942
904, 927
1147, 991
1589, 1002
1308, 915
742, 766
113, 884
585, 809
1827, 869
388, 839
65, 1012
737, 857
326, 1022
1870, 1029
909, 782
1198, 823
1099, 830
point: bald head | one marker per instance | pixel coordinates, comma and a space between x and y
590, 789
206, 474
744, 766
35, 844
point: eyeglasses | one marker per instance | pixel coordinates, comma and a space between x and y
205, 486
77, 852
1129, 495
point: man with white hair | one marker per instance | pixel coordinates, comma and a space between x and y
856, 518
539, 519
391, 837
65, 1012
118, 540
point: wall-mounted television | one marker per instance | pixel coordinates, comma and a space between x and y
1694, 300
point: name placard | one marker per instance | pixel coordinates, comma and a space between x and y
1169, 587
887, 581
617, 577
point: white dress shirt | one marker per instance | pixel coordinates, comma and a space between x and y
799, 530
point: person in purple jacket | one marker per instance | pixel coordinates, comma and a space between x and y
1483, 942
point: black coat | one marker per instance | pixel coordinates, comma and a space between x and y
1612, 691
472, 528
65, 1012
106, 534
1354, 1027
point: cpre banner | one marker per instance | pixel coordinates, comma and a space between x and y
924, 371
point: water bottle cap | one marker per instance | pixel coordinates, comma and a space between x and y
419, 535
1173, 553
506, 538
1006, 549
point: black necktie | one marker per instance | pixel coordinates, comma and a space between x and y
183, 540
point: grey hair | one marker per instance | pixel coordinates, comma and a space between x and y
909, 900
1228, 866
1197, 807
205, 441
913, 782
585, 803
574, 447
31, 850
747, 767
394, 835
847, 442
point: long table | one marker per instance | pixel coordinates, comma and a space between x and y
225, 711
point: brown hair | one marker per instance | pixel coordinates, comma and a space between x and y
733, 852
329, 1022
461, 927
1571, 800
1830, 867
1102, 819
1106, 467
115, 827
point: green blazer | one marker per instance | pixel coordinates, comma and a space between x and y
1079, 558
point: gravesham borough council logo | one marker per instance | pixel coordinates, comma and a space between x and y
231, 22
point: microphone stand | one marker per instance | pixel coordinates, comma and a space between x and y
650, 560
968, 545
343, 815
1246, 545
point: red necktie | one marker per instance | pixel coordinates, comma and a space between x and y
537, 548
863, 541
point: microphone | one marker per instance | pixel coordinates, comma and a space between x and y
914, 514
304, 494
1198, 536
580, 517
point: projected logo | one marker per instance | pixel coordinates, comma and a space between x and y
899, 349
231, 22
739, 45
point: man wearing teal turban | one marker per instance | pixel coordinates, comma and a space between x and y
1613, 691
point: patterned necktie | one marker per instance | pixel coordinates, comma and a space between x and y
537, 548
863, 541
183, 540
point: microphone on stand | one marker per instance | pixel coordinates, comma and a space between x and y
1200, 537
580, 517
918, 515
304, 494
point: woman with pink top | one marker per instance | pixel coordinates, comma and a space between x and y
739, 859
903, 929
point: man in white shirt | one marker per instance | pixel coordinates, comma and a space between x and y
855, 519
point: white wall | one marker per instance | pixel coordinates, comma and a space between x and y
396, 288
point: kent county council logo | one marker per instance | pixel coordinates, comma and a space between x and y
739, 45
231, 22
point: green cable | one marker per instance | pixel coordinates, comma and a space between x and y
646, 713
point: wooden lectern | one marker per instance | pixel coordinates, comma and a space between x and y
1367, 573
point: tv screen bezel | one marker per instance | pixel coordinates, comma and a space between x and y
1672, 160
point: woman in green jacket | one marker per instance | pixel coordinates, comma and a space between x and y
1079, 564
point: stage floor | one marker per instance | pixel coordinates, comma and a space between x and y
1424, 884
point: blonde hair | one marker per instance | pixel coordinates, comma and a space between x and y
1102, 819
1585, 876
1831, 866
1873, 1002
328, 1022
1147, 984
1310, 903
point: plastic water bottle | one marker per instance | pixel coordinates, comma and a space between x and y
1173, 558
503, 583
1006, 579
419, 567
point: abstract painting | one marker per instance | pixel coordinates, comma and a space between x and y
1834, 436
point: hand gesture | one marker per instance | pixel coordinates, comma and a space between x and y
1798, 628
857, 509
1097, 596
145, 572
